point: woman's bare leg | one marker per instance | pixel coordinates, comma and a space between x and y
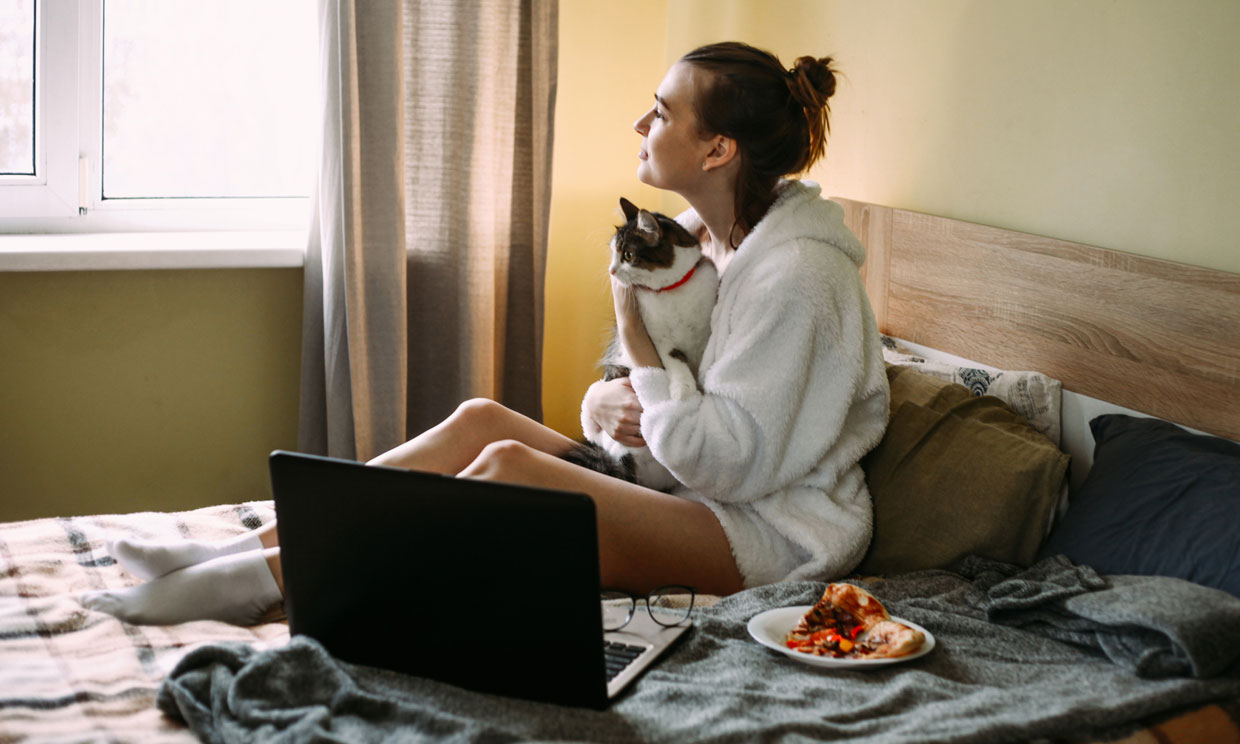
446, 448
456, 442
272, 556
646, 538
267, 535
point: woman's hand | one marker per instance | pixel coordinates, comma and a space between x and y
629, 326
614, 408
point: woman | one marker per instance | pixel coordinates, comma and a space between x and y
794, 389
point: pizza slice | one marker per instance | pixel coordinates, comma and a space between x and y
850, 622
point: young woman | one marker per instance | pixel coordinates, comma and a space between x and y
794, 389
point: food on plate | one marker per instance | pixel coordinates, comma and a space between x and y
891, 638
850, 622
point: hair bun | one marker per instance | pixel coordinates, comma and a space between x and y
812, 81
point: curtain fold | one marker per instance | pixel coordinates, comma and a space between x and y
425, 263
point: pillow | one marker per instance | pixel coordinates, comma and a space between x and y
1033, 395
956, 475
1158, 501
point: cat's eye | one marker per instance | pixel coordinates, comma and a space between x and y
628, 255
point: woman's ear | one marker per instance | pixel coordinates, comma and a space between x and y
723, 151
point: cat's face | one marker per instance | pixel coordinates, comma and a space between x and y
645, 243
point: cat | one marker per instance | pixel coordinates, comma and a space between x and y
675, 290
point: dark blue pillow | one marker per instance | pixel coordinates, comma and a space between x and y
1158, 500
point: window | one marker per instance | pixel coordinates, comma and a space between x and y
17, 44
156, 114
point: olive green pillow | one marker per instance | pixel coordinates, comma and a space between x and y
956, 475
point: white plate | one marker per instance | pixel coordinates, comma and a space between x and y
771, 628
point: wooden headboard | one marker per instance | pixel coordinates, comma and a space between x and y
1155, 336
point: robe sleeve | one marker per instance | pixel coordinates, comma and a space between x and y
776, 395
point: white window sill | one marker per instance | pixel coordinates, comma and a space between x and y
167, 250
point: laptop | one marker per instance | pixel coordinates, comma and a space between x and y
486, 586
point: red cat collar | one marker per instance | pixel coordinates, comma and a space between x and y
684, 279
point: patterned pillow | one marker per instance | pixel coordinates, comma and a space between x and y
1033, 395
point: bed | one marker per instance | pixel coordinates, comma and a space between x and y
1031, 644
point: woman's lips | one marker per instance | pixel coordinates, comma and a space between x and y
641, 155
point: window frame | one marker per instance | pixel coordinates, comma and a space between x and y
66, 193
52, 191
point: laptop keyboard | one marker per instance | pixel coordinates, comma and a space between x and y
618, 657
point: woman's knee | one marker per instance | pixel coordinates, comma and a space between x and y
499, 459
478, 412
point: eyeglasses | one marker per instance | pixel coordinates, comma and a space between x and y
668, 605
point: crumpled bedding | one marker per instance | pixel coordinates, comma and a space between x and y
1047, 652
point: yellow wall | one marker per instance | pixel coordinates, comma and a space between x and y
1115, 124
144, 390
612, 57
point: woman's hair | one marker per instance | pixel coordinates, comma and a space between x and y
779, 117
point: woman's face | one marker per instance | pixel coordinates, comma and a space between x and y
672, 151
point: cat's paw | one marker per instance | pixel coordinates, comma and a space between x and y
680, 381
681, 389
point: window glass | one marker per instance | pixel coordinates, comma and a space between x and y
208, 99
17, 87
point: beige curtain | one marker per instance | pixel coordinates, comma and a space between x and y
424, 268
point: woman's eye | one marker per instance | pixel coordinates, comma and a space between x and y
658, 114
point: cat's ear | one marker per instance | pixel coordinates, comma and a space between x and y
629, 208
678, 234
648, 227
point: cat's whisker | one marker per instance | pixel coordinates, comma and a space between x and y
630, 299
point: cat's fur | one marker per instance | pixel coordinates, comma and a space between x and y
676, 289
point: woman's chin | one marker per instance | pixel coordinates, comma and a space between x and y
644, 175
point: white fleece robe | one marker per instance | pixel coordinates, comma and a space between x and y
794, 394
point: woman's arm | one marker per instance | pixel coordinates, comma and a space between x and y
612, 406
630, 329
729, 442
791, 356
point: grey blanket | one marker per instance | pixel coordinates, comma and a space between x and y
1051, 651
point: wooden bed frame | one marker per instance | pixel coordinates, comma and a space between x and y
1155, 336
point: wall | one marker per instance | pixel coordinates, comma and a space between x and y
144, 390
1104, 122
612, 57
1110, 123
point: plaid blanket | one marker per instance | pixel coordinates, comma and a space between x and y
67, 674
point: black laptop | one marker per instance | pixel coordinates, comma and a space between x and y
490, 587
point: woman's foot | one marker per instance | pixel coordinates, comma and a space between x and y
150, 559
236, 589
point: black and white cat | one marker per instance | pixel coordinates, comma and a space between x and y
675, 290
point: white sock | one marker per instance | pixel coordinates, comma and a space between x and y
236, 588
150, 559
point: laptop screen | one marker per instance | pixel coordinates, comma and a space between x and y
487, 586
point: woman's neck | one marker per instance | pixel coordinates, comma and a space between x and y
722, 232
